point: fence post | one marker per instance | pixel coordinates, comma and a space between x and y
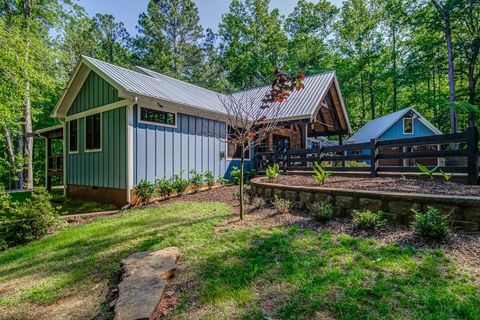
373, 157
320, 155
472, 154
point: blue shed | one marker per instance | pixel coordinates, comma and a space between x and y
405, 123
121, 126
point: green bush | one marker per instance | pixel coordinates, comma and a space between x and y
180, 184
258, 203
282, 206
209, 179
236, 195
28, 220
321, 211
164, 187
431, 224
368, 220
145, 190
235, 175
196, 180
272, 172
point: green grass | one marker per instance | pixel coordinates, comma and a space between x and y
285, 273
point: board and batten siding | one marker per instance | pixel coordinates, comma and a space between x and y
159, 151
396, 130
95, 92
106, 168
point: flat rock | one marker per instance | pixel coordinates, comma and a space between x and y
163, 262
143, 284
139, 295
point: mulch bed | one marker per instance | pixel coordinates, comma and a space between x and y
384, 185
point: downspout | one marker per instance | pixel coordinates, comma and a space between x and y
129, 160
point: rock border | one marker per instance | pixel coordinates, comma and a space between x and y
464, 211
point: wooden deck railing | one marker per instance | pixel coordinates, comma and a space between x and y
337, 158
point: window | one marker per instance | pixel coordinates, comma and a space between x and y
73, 136
408, 125
157, 117
233, 150
93, 132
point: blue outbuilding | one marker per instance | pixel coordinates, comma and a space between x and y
405, 123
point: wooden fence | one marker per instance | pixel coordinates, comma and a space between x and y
368, 157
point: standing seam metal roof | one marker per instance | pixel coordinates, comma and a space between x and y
300, 104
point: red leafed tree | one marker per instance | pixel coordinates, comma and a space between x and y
253, 114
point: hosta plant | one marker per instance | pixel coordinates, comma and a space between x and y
272, 172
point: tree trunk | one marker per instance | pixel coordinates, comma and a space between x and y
372, 96
394, 58
362, 91
451, 78
9, 144
242, 158
20, 151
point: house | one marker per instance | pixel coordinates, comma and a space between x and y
121, 126
405, 123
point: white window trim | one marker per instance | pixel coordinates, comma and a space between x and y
101, 134
139, 119
413, 127
78, 137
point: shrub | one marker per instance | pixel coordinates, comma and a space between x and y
209, 179
368, 220
145, 190
321, 211
221, 180
180, 184
236, 195
431, 224
196, 179
235, 175
272, 172
321, 174
282, 206
164, 187
26, 221
258, 203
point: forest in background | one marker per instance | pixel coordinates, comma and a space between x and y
388, 54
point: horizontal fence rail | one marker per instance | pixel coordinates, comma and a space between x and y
374, 156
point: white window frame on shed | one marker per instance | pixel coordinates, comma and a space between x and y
413, 125
85, 133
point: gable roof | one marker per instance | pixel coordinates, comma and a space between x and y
143, 82
376, 127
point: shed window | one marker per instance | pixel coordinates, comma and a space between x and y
157, 116
408, 125
234, 151
73, 136
93, 132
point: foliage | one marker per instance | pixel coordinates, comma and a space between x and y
209, 179
180, 184
164, 187
236, 195
368, 220
447, 177
258, 203
235, 175
281, 205
320, 174
196, 179
145, 190
321, 211
272, 172
425, 171
26, 221
221, 180
431, 224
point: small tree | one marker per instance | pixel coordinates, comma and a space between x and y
251, 119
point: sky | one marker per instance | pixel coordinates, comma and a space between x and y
210, 11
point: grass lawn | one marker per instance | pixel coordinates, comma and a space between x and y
280, 273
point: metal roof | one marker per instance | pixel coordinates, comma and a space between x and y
376, 127
144, 82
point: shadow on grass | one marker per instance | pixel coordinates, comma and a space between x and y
291, 273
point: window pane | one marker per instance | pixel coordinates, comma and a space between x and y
408, 125
157, 116
73, 138
93, 132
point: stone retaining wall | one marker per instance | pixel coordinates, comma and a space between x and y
464, 211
